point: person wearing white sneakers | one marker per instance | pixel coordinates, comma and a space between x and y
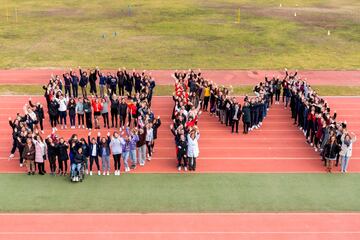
80, 112
149, 140
134, 138
193, 147
104, 149
126, 153
63, 101
94, 151
72, 112
141, 146
116, 145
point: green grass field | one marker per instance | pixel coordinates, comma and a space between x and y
181, 34
182, 193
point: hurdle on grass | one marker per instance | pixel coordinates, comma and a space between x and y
238, 17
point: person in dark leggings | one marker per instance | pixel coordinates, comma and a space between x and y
235, 116
181, 154
114, 111
53, 113
88, 113
277, 90
52, 153
72, 112
116, 145
74, 83
15, 131
92, 80
310, 133
63, 156
94, 152
122, 110
246, 117
105, 111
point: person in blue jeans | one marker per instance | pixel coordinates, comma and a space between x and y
104, 144
79, 159
133, 139
126, 153
74, 83
346, 149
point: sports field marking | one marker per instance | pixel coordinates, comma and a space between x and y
174, 232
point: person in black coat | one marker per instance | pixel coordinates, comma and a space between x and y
94, 152
114, 110
84, 79
235, 115
75, 83
72, 112
79, 159
85, 148
52, 152
63, 156
122, 110
67, 82
246, 117
155, 126
228, 106
113, 82
92, 81
331, 150
121, 82
129, 83
182, 153
53, 111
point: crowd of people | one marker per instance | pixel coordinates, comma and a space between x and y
313, 116
194, 94
136, 126
130, 112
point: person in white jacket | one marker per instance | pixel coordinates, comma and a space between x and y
193, 147
346, 149
63, 101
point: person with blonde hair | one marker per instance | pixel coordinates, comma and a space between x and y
346, 149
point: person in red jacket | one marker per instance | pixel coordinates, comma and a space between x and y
97, 106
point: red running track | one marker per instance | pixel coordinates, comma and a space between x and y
172, 226
225, 77
277, 147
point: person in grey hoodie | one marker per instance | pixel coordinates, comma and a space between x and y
116, 145
80, 112
105, 110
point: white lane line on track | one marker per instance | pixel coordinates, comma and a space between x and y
183, 233
188, 214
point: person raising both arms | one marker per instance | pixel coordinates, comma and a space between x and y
193, 147
346, 149
84, 79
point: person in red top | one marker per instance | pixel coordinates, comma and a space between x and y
191, 122
132, 113
310, 133
96, 104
